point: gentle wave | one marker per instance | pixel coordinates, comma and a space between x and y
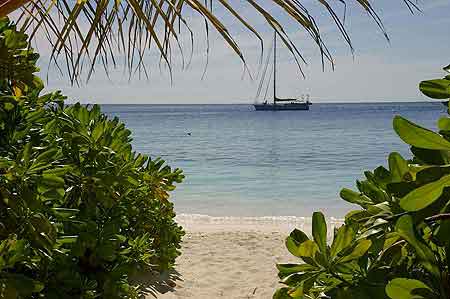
272, 220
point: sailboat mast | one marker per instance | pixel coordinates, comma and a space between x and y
274, 67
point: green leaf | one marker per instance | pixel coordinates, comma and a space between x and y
417, 136
358, 251
57, 171
8, 106
83, 116
5, 163
282, 294
436, 89
447, 68
319, 231
343, 239
67, 240
15, 252
36, 116
47, 156
51, 193
308, 249
404, 288
444, 124
26, 154
298, 291
98, 131
107, 251
355, 197
298, 236
405, 228
398, 167
382, 176
432, 157
24, 285
292, 246
390, 241
287, 269
356, 216
359, 292
65, 212
443, 232
52, 180
424, 196
376, 194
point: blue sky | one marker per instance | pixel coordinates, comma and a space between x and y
378, 71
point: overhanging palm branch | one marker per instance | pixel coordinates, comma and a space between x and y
87, 32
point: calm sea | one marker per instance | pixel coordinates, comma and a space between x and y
239, 162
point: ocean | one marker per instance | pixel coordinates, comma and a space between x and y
239, 162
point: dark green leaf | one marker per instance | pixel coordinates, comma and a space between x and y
436, 89
375, 193
447, 68
319, 231
298, 236
405, 228
432, 157
443, 232
24, 285
282, 294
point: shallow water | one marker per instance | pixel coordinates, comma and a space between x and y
239, 162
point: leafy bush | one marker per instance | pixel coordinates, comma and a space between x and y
79, 210
398, 245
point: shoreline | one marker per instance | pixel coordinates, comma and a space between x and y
209, 224
231, 257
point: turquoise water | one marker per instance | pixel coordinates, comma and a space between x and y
239, 162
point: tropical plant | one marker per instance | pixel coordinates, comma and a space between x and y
398, 245
79, 210
85, 33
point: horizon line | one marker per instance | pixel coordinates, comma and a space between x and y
246, 104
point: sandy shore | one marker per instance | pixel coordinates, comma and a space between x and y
230, 257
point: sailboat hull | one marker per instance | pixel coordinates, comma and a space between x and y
281, 107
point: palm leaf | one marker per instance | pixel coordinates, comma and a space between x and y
86, 33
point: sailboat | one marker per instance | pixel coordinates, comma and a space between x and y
280, 103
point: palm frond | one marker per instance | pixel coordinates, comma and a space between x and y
87, 33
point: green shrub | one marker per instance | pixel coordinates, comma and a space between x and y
398, 245
79, 210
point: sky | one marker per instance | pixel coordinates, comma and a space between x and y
378, 70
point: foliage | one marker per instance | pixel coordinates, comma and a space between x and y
17, 60
437, 88
79, 210
398, 245
86, 33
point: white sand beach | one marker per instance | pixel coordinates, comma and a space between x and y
230, 257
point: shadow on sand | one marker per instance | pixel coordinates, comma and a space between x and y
154, 283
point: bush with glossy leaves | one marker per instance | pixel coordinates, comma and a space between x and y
80, 212
398, 245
